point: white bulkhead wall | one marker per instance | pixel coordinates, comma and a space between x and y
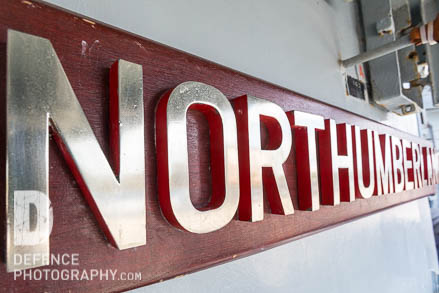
295, 44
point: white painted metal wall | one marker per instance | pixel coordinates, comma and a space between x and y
295, 44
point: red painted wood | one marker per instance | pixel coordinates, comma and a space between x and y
87, 51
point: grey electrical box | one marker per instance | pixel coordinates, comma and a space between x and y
394, 78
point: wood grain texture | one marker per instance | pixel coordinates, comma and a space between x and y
86, 51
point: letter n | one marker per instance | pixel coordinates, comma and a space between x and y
39, 97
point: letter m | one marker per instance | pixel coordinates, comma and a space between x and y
39, 97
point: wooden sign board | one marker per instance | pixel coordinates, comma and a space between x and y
87, 50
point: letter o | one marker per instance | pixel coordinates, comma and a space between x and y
172, 157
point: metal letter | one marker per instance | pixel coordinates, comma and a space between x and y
305, 127
424, 180
398, 166
39, 96
426, 151
254, 176
408, 164
435, 166
172, 157
383, 166
336, 139
363, 140
416, 156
